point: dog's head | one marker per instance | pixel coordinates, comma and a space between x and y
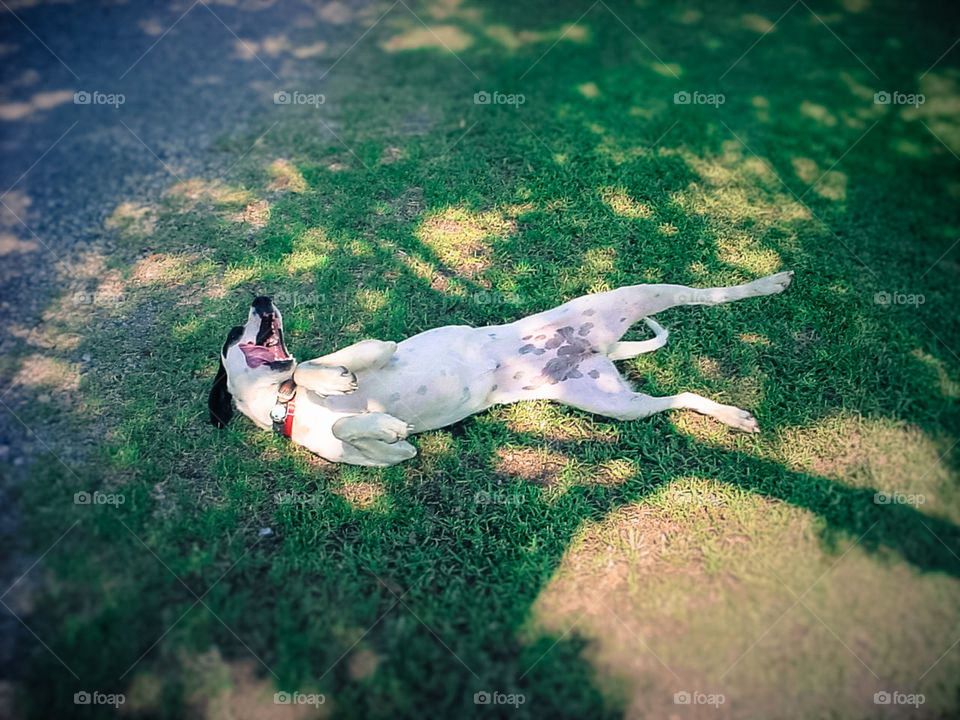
253, 363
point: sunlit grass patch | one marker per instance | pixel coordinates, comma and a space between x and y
286, 176
133, 218
463, 239
699, 561
622, 204
212, 191
438, 37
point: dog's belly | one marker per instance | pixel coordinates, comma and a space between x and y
434, 379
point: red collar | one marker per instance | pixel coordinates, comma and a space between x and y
283, 411
288, 420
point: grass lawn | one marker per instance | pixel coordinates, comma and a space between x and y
595, 568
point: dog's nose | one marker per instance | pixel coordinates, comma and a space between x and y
263, 305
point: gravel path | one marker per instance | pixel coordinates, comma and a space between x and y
189, 73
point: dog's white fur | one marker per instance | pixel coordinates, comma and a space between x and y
358, 405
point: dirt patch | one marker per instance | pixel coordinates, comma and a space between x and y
361, 495
210, 190
755, 339
286, 177
255, 214
12, 244
219, 689
363, 664
38, 371
133, 219
162, 268
541, 467
470, 255
463, 239
391, 154
16, 204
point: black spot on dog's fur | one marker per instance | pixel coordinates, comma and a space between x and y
233, 337
571, 351
220, 401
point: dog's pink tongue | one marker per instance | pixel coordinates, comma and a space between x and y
256, 355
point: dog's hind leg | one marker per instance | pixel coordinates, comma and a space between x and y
600, 389
603, 318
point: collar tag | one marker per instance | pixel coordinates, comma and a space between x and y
279, 412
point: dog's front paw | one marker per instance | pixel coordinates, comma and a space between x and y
342, 384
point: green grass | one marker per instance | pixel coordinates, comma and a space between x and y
630, 560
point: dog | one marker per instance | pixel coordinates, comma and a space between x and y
359, 404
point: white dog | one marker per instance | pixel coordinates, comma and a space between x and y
358, 405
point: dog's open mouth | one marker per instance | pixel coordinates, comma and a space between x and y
269, 347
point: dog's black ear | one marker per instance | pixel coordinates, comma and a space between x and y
221, 401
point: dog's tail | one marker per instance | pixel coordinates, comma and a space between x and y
624, 350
